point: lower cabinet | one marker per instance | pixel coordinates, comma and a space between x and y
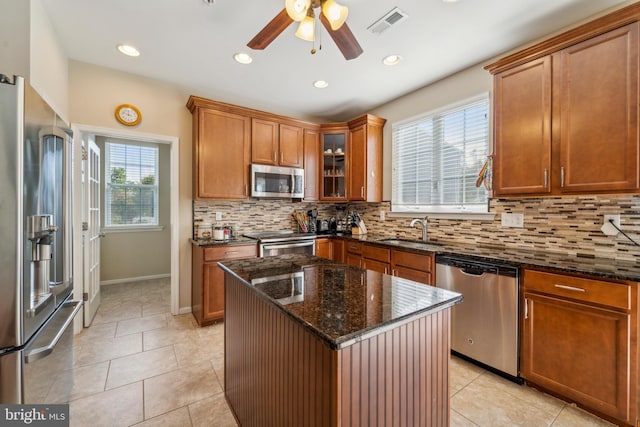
324, 248
376, 258
579, 341
413, 266
207, 279
353, 253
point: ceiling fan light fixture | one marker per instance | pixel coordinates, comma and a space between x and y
307, 28
297, 9
335, 13
320, 84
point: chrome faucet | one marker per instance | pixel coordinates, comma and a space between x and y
423, 223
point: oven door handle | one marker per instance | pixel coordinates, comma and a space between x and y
287, 245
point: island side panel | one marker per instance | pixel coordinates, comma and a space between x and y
399, 377
278, 373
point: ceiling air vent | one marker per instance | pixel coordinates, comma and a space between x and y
393, 17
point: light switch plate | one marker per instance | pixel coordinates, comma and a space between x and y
218, 216
514, 220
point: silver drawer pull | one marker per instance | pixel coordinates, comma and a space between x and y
569, 288
231, 252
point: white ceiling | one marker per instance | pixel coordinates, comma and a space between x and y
192, 44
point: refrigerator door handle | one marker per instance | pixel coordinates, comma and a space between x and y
40, 352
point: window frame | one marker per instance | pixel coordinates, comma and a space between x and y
108, 226
480, 210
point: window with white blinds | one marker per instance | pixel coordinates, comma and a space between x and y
131, 185
437, 158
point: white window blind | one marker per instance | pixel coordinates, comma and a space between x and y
437, 158
131, 190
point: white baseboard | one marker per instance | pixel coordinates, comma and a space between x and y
134, 279
184, 310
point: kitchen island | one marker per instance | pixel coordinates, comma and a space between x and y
315, 342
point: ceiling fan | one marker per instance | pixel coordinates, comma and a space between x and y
332, 16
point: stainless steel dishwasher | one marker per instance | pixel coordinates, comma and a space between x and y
484, 327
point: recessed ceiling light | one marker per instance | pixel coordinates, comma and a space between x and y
128, 50
391, 59
450, 1
320, 84
243, 58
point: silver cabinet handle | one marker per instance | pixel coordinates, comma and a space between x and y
275, 157
281, 157
569, 288
545, 178
526, 309
362, 192
562, 176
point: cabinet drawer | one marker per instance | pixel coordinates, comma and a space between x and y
595, 291
412, 260
230, 252
354, 247
376, 252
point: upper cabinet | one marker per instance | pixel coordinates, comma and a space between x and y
566, 112
221, 143
365, 158
274, 143
333, 162
351, 160
311, 163
342, 161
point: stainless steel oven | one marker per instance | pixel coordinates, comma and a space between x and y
274, 243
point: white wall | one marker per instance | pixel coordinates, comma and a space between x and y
94, 93
14, 37
128, 256
460, 86
49, 73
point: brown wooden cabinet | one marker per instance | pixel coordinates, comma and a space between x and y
365, 158
337, 246
522, 97
579, 340
311, 164
274, 143
220, 151
333, 162
324, 248
599, 113
418, 267
353, 253
376, 258
566, 112
207, 279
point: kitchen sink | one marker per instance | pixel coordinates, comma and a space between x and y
413, 244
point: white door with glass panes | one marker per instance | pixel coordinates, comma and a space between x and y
92, 229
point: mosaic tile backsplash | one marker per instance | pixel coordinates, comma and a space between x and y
568, 225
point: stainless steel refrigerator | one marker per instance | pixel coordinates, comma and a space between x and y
36, 283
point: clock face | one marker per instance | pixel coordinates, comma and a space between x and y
128, 115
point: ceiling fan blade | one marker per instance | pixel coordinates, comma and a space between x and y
344, 39
271, 31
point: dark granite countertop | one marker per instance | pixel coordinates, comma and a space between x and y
211, 242
610, 268
339, 303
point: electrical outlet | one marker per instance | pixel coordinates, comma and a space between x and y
609, 229
615, 218
514, 220
218, 216
382, 215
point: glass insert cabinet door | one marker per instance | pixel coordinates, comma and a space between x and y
334, 165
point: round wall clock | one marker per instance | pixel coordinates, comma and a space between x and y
128, 114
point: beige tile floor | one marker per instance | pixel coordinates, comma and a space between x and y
139, 365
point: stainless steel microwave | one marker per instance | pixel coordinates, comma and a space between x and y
277, 181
